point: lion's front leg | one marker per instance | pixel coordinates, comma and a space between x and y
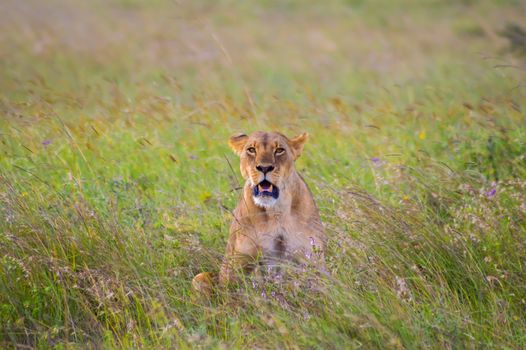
232, 265
241, 256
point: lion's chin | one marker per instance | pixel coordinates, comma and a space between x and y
264, 201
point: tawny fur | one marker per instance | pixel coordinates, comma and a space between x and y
288, 227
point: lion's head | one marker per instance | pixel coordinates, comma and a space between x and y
267, 161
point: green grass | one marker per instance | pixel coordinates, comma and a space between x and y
116, 183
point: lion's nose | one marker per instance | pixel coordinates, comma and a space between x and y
265, 169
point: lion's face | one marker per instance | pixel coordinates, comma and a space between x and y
267, 160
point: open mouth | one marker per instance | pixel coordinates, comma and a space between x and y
266, 188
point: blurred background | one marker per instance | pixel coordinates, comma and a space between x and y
256, 50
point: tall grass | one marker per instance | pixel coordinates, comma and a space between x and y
116, 184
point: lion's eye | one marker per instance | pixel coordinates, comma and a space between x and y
279, 151
251, 150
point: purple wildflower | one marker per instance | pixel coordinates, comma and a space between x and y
491, 192
375, 159
46, 142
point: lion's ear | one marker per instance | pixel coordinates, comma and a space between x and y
237, 142
297, 144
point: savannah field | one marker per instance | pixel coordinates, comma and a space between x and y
117, 184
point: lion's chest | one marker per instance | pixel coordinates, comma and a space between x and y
282, 237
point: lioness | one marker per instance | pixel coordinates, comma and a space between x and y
276, 217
